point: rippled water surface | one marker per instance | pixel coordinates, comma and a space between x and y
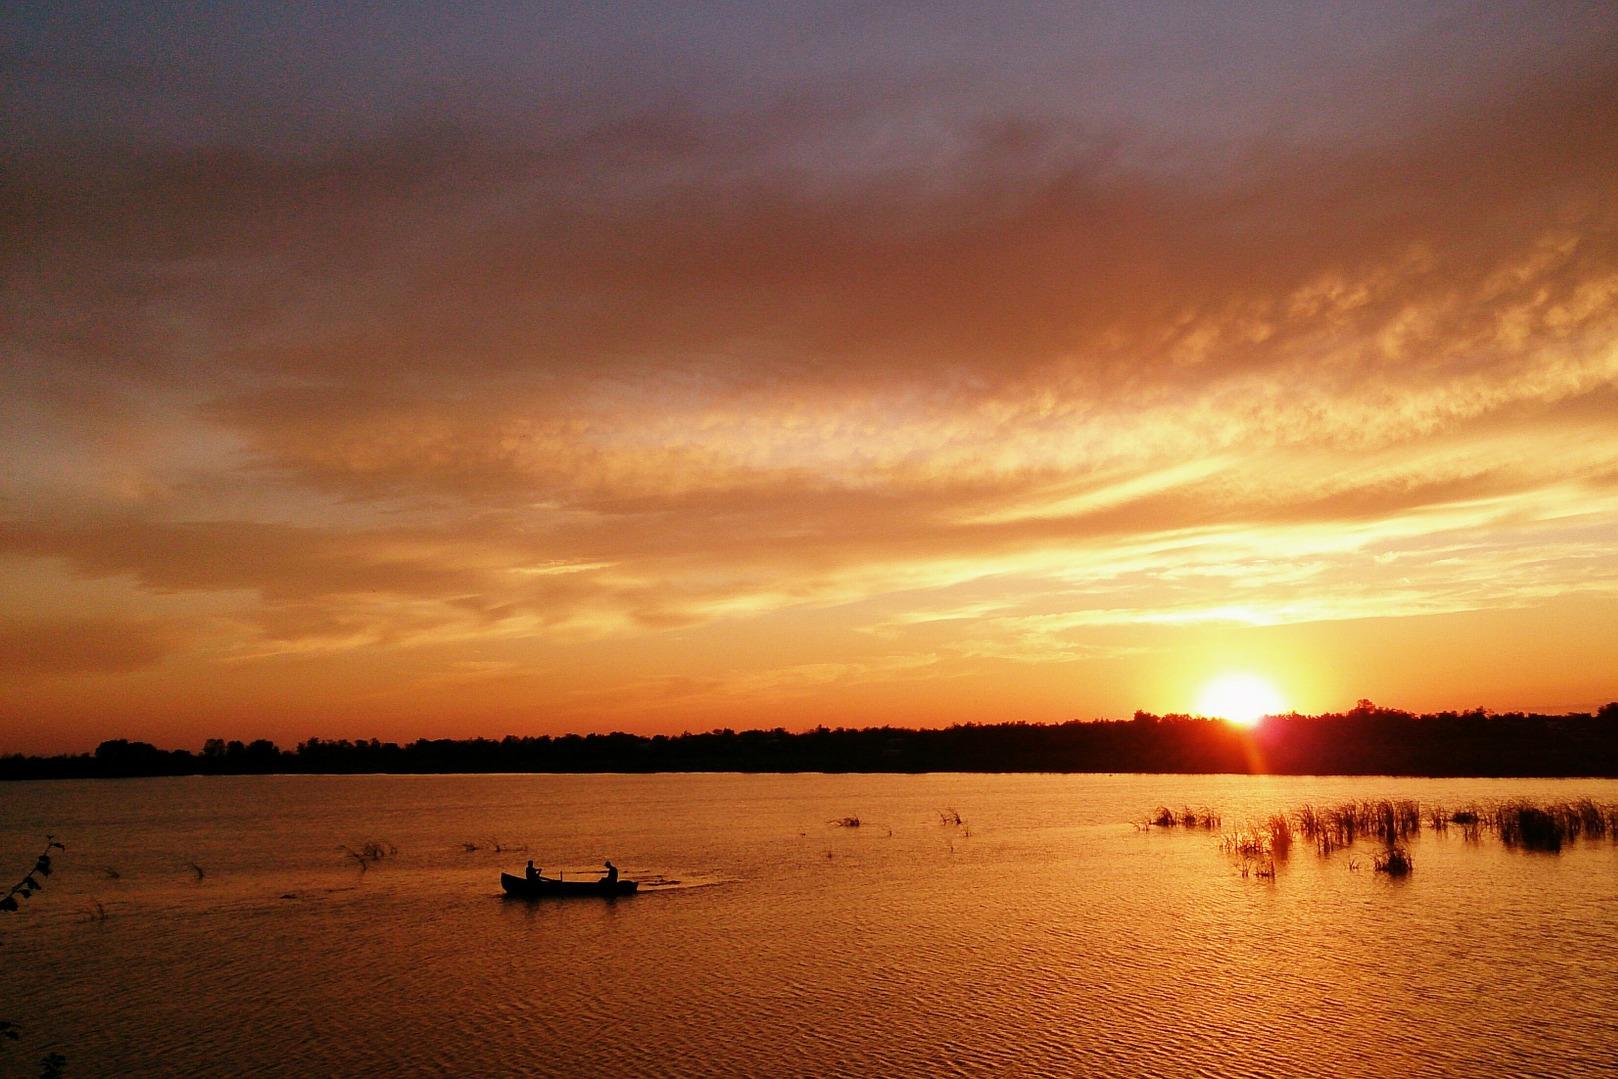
1045, 936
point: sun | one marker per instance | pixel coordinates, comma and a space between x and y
1242, 699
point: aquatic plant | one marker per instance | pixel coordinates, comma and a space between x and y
1262, 869
1398, 818
1204, 818
370, 852
1332, 827
1309, 822
1187, 817
1279, 830
1521, 824
1327, 828
845, 822
1394, 861
1591, 817
1244, 844
1470, 821
494, 845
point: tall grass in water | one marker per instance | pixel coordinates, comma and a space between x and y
1309, 822
1204, 818
1591, 819
1262, 869
1279, 830
1519, 824
1332, 827
1254, 848
1246, 845
1394, 861
1523, 825
1470, 821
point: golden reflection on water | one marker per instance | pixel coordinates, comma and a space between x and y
1043, 935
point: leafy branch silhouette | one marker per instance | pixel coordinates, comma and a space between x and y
30, 883
24, 889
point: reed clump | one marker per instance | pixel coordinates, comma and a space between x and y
1187, 817
1394, 861
1330, 828
1258, 846
1279, 830
1203, 818
1590, 818
1308, 822
1519, 823
1523, 825
1247, 845
1549, 827
1263, 869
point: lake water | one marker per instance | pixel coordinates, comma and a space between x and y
1047, 936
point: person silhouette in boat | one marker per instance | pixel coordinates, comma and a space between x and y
531, 873
611, 877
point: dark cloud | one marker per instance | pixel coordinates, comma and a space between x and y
280, 562
38, 648
440, 254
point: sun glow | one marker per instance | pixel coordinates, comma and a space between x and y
1242, 699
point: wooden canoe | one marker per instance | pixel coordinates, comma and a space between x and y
549, 887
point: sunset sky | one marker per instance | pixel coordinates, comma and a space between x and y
444, 370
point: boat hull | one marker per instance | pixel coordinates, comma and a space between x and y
550, 888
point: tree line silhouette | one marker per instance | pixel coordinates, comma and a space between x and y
1366, 740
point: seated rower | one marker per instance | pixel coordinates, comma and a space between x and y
531, 873
611, 875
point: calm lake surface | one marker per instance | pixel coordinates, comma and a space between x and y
1048, 936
